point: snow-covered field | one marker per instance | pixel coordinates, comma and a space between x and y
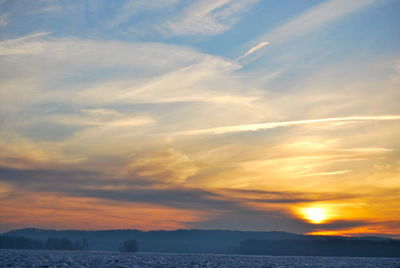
53, 259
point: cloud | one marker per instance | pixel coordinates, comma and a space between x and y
165, 167
132, 8
61, 93
308, 21
397, 67
339, 225
263, 126
92, 184
142, 187
188, 84
283, 197
254, 49
101, 118
207, 17
23, 45
328, 173
372, 150
157, 72
131, 20
131, 124
218, 205
50, 211
316, 17
3, 19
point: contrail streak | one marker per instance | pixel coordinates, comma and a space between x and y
262, 126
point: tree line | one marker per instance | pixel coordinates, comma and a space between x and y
322, 247
9, 242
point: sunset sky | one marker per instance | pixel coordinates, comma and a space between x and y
210, 114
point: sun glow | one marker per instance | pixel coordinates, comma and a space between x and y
315, 215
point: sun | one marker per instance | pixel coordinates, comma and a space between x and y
315, 215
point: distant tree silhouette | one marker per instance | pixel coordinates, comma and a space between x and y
11, 242
84, 244
129, 246
65, 244
322, 247
20, 243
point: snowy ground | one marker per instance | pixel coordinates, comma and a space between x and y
53, 259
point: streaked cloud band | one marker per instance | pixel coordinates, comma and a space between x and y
263, 126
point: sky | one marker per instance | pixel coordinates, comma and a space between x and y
210, 114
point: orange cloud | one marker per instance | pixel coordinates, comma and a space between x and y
61, 212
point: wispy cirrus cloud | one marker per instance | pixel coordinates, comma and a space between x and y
23, 45
207, 17
263, 126
308, 21
3, 19
315, 17
100, 118
131, 8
